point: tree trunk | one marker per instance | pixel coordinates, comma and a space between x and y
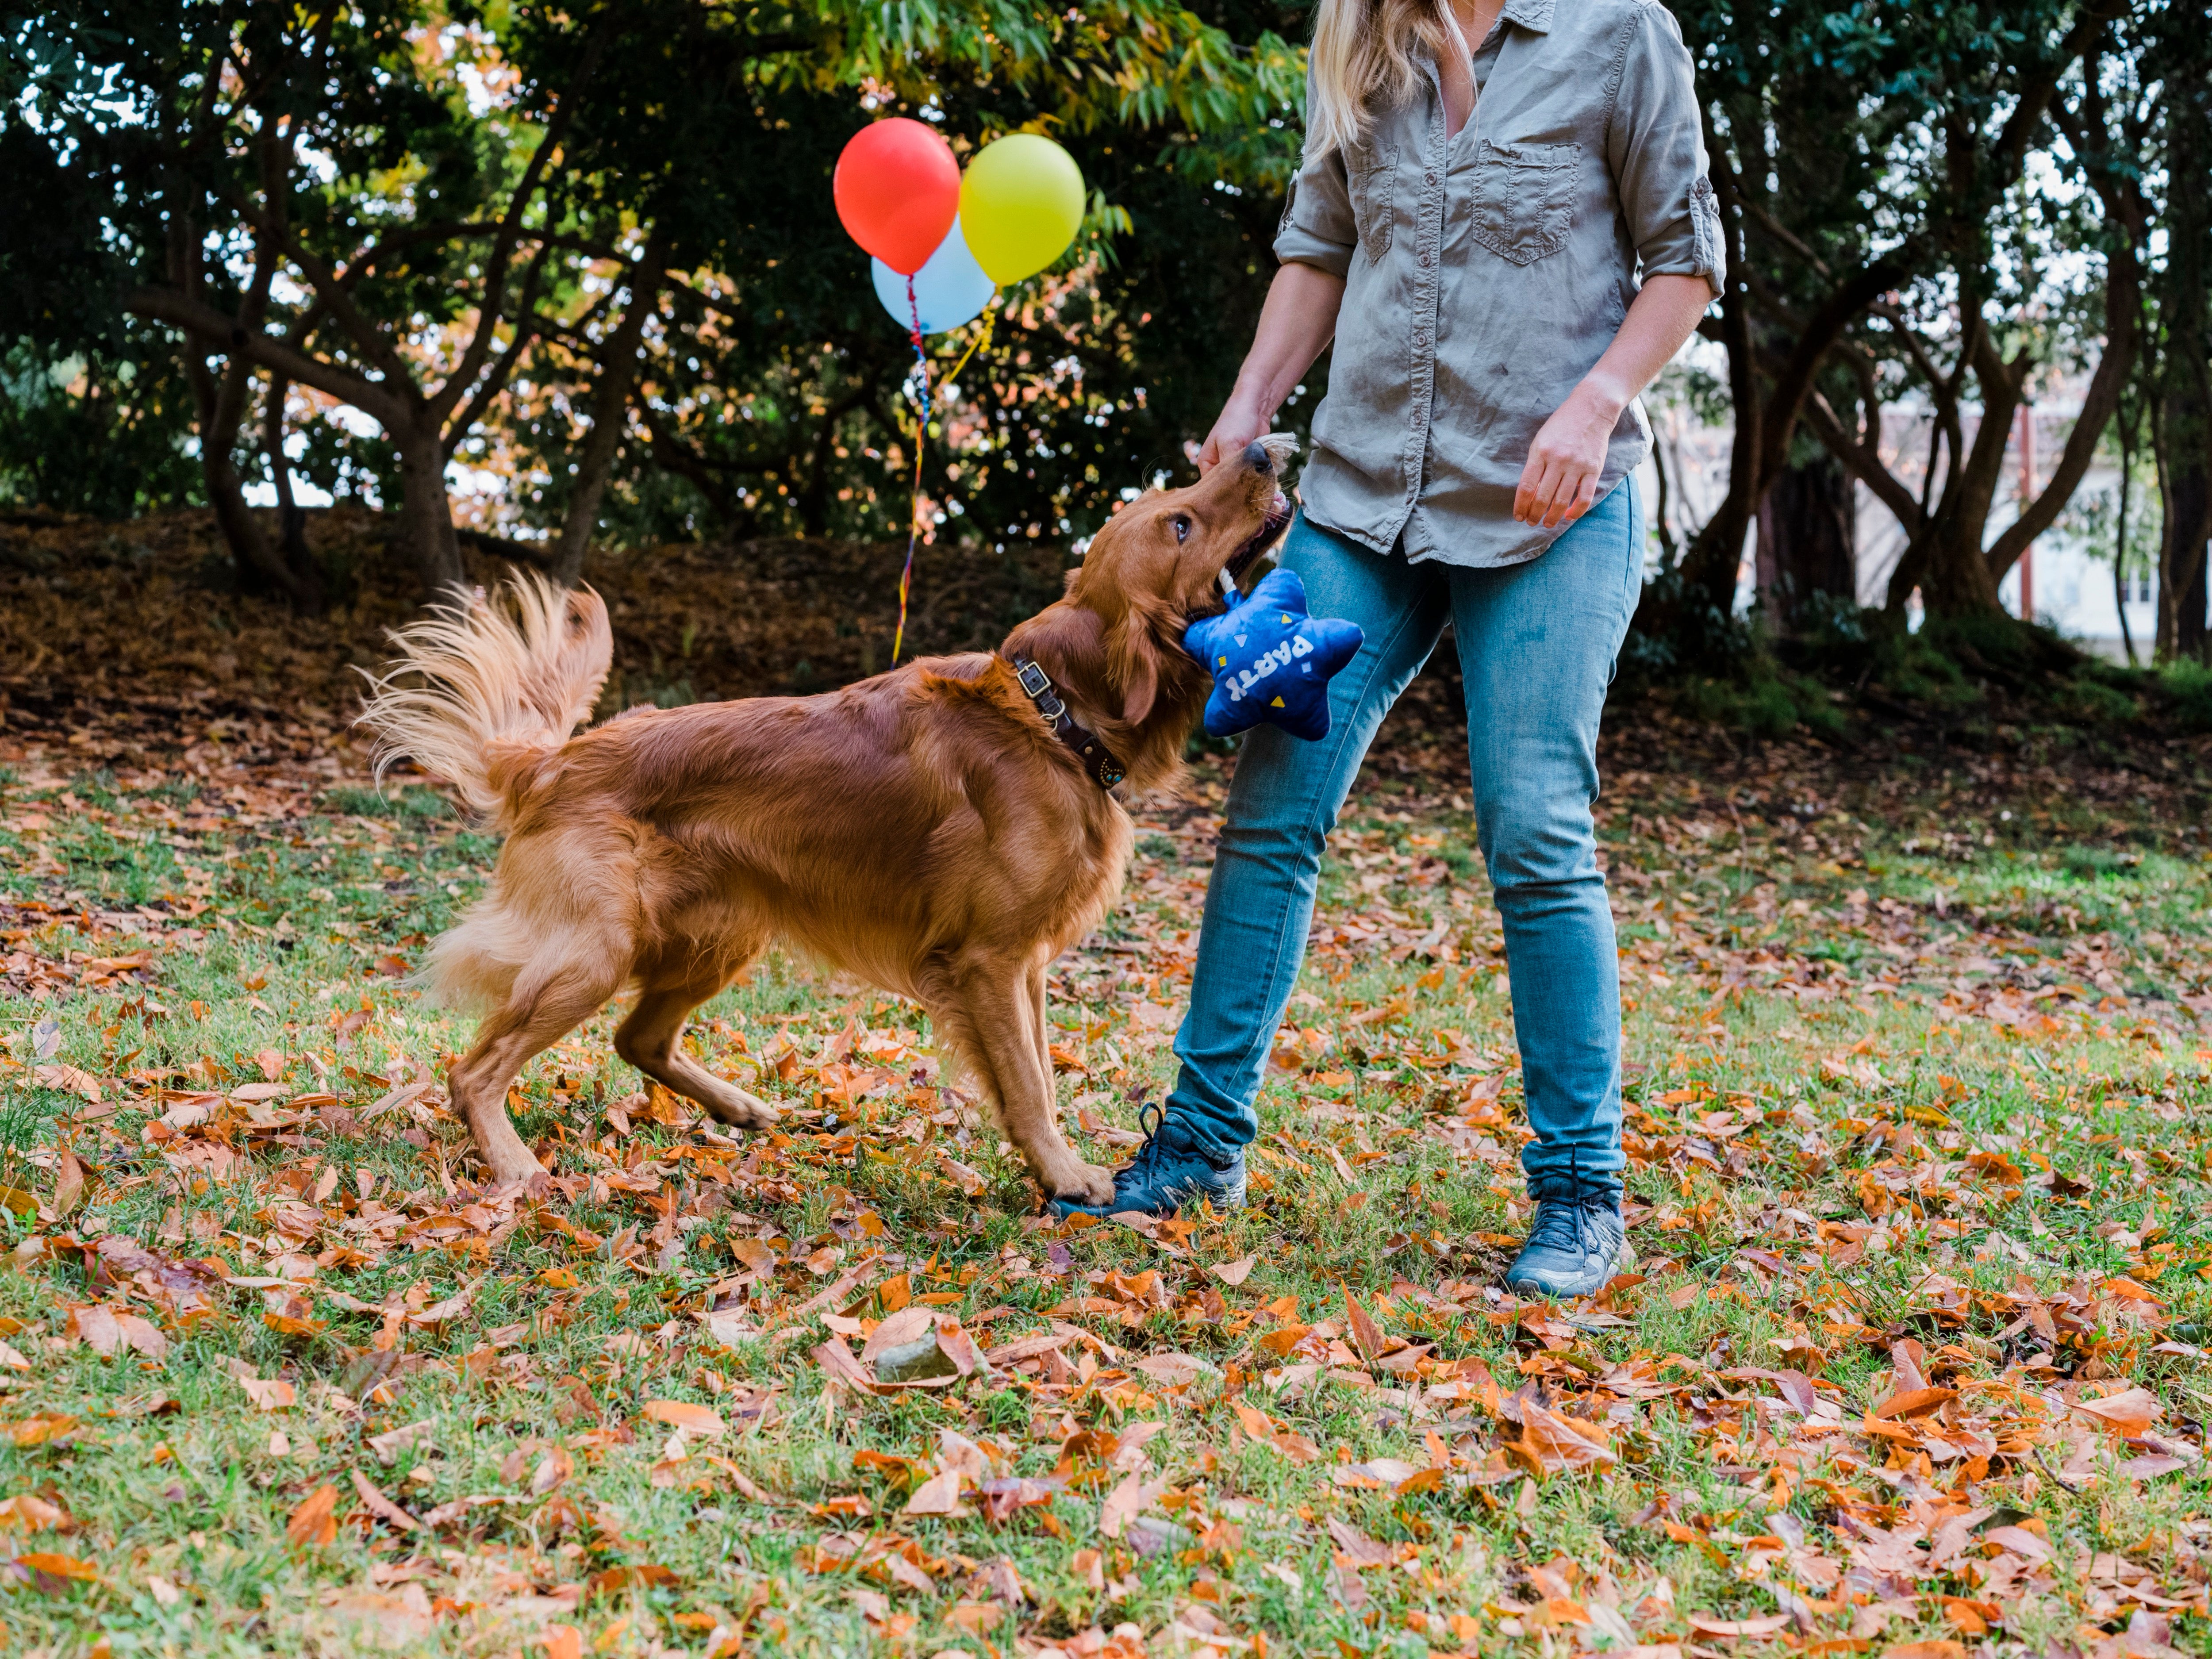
1956, 579
308, 596
426, 517
609, 413
2188, 502
1807, 539
2185, 419
2186, 487
2181, 422
2120, 544
1711, 564
259, 564
2189, 633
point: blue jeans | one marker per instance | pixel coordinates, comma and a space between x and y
1537, 643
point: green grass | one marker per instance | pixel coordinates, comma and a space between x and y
1900, 1072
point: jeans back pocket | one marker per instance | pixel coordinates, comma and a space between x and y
1524, 198
1372, 171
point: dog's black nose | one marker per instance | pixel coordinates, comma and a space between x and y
1256, 457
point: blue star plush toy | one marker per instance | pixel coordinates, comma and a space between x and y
1270, 661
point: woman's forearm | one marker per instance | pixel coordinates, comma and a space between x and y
1297, 321
1559, 480
1661, 317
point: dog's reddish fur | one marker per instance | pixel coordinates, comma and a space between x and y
923, 829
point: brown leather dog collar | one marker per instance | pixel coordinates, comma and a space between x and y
1098, 759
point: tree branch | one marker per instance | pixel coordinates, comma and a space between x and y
337, 297
502, 249
1864, 462
1845, 301
1782, 233
2010, 153
2122, 200
679, 457
207, 325
610, 407
526, 324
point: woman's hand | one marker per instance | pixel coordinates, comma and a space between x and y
1559, 480
1298, 319
1241, 420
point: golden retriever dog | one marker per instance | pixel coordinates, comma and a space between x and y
938, 830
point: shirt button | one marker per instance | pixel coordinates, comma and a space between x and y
1429, 177
1425, 262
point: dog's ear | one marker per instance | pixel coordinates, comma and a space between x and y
1136, 653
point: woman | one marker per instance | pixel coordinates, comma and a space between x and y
1467, 227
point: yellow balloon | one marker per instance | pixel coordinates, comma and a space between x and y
1021, 204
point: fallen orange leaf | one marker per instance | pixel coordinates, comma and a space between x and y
270, 1394
683, 1414
1233, 1274
61, 1566
315, 1521
1763, 1625
1364, 1333
2130, 1414
1913, 1402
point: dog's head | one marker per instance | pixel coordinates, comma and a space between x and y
1159, 562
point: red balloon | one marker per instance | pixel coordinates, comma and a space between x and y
898, 189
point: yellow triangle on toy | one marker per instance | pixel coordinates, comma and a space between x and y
1277, 704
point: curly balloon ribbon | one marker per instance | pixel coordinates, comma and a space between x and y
921, 436
990, 316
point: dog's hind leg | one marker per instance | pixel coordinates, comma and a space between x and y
1001, 1017
542, 1009
652, 1038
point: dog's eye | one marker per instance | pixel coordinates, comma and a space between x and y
1183, 527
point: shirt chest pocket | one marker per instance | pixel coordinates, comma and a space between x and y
1523, 198
1370, 175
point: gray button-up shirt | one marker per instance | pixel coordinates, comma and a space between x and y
1485, 273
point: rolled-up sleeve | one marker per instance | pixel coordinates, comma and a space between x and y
1318, 228
1656, 147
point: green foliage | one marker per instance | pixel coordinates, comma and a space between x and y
1843, 670
94, 433
769, 397
1769, 701
771, 400
2188, 682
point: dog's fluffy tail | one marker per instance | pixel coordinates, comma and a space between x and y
484, 688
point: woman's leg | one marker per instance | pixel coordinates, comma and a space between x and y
1259, 902
1537, 645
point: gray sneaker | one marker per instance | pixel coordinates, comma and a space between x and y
1575, 1246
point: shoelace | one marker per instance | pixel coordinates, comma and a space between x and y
1152, 1120
1554, 1217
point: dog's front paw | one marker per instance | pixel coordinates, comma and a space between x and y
523, 1172
1090, 1185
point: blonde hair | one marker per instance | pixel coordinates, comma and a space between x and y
1365, 52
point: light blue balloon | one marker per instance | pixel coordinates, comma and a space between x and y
949, 290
